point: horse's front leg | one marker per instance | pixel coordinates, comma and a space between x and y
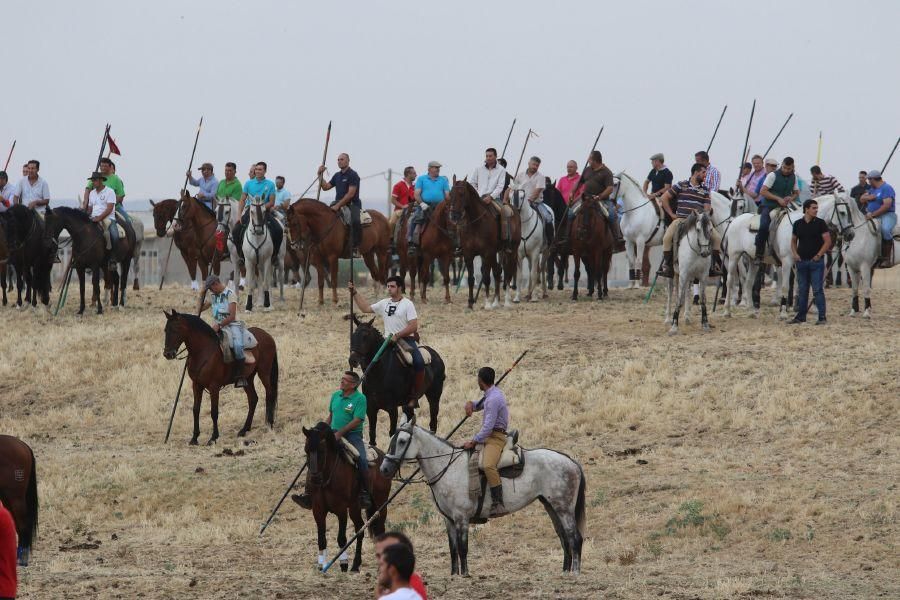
470, 270
356, 518
392, 421
783, 282
576, 275
198, 399
866, 274
462, 544
631, 257
704, 316
319, 515
444, 263
342, 538
214, 414
95, 281
266, 283
372, 413
453, 539
334, 275
252, 399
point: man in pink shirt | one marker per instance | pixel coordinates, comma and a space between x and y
566, 184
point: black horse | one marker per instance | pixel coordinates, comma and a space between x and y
558, 254
89, 252
388, 384
29, 254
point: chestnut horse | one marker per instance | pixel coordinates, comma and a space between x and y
406, 263
18, 491
479, 235
332, 484
209, 371
591, 241
185, 240
436, 242
315, 225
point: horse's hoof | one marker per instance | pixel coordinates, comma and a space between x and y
193, 442
120, 308
267, 309
516, 300
211, 441
673, 331
706, 327
867, 315
242, 432
536, 299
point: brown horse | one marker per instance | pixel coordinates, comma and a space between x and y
209, 371
479, 233
185, 240
192, 215
591, 241
406, 264
18, 491
4, 254
315, 225
332, 484
437, 241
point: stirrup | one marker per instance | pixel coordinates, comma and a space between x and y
302, 500
498, 510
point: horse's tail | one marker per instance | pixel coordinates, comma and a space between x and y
31, 506
579, 503
272, 392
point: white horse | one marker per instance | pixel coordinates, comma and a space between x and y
549, 476
533, 246
258, 256
694, 256
642, 225
724, 211
862, 246
224, 211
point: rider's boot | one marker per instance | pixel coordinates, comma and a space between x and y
886, 247
416, 389
497, 507
715, 267
760, 258
239, 380
665, 267
365, 496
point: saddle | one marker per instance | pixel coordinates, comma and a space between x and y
776, 215
350, 454
227, 344
276, 231
404, 353
365, 219
510, 465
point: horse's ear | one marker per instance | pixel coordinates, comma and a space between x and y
305, 431
152, 203
372, 320
466, 179
168, 316
454, 179
174, 313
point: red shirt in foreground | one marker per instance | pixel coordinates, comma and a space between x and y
403, 192
8, 546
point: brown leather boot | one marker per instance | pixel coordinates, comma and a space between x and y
715, 267
665, 267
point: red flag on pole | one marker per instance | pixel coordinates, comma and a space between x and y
113, 148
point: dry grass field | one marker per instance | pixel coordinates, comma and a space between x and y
758, 460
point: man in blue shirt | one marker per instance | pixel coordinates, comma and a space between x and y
282, 194
346, 192
258, 187
881, 202
207, 183
431, 189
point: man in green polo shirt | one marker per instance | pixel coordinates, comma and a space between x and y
230, 189
346, 416
113, 182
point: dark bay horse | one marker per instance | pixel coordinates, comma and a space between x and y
18, 491
332, 484
558, 254
388, 384
406, 263
437, 242
30, 254
313, 224
193, 216
208, 370
4, 254
591, 241
185, 240
89, 252
479, 229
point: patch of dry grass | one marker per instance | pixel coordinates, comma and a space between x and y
768, 455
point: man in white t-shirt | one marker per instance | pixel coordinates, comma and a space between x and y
32, 190
7, 190
102, 208
400, 322
395, 567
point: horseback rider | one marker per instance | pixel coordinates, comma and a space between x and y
346, 191
489, 181
346, 416
713, 177
400, 323
224, 310
659, 180
207, 183
230, 190
430, 190
113, 182
492, 434
597, 184
401, 198
779, 189
881, 202
690, 196
533, 183
102, 207
258, 187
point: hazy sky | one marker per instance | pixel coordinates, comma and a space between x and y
408, 82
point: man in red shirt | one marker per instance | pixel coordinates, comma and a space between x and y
8, 545
401, 196
389, 538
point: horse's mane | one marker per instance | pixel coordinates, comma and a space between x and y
195, 322
691, 220
625, 175
72, 213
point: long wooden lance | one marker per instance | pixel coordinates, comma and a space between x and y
746, 140
324, 158
713, 138
777, 135
508, 136
378, 354
890, 156
406, 482
9, 156
522, 154
162, 279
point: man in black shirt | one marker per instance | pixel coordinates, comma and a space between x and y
346, 192
658, 180
860, 189
809, 243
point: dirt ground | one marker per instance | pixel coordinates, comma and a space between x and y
757, 460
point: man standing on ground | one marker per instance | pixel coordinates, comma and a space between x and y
882, 204
389, 538
809, 243
346, 192
823, 184
779, 189
430, 190
207, 183
567, 183
402, 196
492, 434
395, 567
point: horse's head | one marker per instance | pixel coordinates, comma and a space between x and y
517, 194
163, 213
256, 206
701, 225
460, 194
403, 447
364, 343
298, 230
176, 333
223, 212
319, 442
842, 217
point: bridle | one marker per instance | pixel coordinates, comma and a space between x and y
317, 463
702, 250
390, 456
518, 202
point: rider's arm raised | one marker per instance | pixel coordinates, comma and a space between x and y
325, 185
361, 303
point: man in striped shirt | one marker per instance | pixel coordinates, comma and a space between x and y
823, 184
713, 177
690, 195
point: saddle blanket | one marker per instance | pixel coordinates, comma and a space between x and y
365, 219
403, 351
511, 455
226, 343
351, 455
754, 222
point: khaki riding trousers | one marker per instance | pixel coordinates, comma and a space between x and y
673, 227
493, 447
